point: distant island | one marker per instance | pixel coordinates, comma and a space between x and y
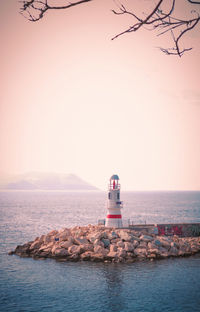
45, 181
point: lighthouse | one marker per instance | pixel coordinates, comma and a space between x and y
114, 205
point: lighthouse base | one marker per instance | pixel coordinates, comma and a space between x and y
114, 222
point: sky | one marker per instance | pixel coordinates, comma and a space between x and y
74, 101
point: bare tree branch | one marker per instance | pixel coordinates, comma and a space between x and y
34, 10
163, 22
157, 19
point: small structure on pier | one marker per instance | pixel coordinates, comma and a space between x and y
114, 205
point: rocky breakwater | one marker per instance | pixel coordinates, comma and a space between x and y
100, 244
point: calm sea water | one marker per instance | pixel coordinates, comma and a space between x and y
47, 285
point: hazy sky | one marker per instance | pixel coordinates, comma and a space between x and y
73, 101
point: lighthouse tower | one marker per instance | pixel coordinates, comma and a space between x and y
114, 205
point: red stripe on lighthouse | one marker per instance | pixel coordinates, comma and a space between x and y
114, 216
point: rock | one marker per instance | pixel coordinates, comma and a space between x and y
87, 247
94, 243
140, 252
36, 244
112, 254
106, 242
128, 246
98, 242
143, 244
113, 248
66, 244
120, 244
63, 237
173, 251
101, 250
113, 235
23, 250
93, 236
121, 253
61, 252
86, 255
74, 249
146, 238
125, 236
95, 257
135, 243
81, 240
157, 242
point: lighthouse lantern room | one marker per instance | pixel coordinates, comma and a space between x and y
114, 205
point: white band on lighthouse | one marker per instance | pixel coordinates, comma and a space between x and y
114, 205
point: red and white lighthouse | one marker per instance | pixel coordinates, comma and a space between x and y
114, 205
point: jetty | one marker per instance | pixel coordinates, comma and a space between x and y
97, 243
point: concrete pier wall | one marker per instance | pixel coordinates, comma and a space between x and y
180, 229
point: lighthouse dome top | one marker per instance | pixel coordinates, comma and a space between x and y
114, 177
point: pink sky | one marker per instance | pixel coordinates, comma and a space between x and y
74, 101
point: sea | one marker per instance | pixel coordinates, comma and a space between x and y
28, 285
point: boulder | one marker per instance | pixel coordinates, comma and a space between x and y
98, 242
86, 256
61, 252
106, 242
146, 238
112, 235
81, 241
112, 254
66, 244
143, 244
128, 246
87, 247
36, 244
101, 250
74, 249
120, 244
93, 236
121, 253
173, 251
96, 257
140, 252
113, 248
127, 237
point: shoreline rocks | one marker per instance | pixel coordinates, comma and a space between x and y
100, 244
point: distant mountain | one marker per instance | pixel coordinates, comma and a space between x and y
45, 181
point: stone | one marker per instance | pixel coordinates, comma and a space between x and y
173, 251
106, 242
93, 236
146, 238
143, 244
36, 244
61, 252
120, 244
98, 242
101, 250
121, 253
112, 254
74, 249
128, 246
64, 236
66, 244
87, 247
140, 252
81, 240
157, 242
86, 256
113, 248
125, 236
113, 235
95, 257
